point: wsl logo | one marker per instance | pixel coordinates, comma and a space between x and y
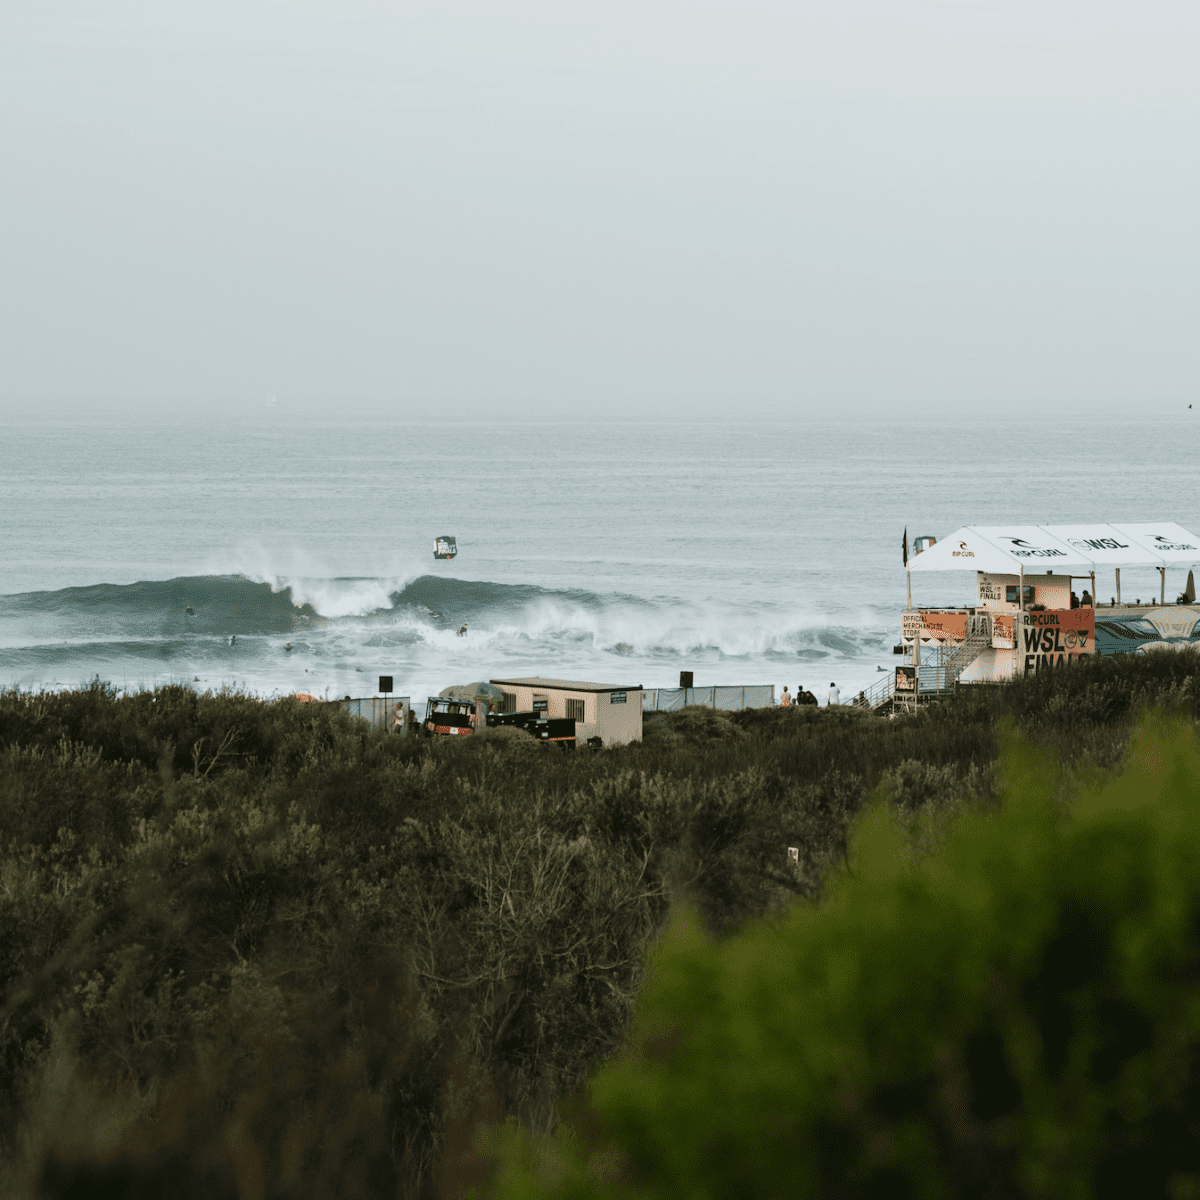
1085, 544
1022, 549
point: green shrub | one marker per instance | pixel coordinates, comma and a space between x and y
200, 894
691, 725
1018, 1015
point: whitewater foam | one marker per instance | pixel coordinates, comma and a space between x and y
335, 598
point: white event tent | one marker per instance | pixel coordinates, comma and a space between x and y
1061, 549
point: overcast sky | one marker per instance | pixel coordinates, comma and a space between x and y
626, 207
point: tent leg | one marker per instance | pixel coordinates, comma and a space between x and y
1093, 589
1118, 585
1162, 585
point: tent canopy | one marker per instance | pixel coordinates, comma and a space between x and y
965, 550
1105, 544
1170, 542
1062, 549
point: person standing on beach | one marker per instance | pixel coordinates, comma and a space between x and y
785, 701
835, 695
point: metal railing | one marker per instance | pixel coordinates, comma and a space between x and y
978, 639
936, 678
881, 692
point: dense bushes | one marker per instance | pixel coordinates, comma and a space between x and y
258, 939
1017, 1016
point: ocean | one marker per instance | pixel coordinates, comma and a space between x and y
617, 553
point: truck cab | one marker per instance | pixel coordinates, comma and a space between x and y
448, 718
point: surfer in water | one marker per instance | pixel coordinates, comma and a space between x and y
462, 631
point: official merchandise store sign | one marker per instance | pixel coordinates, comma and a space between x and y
933, 626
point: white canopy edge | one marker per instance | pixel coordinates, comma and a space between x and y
1168, 541
965, 550
1105, 544
1038, 549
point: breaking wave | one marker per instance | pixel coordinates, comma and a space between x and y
262, 628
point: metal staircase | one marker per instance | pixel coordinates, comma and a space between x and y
978, 639
935, 678
881, 695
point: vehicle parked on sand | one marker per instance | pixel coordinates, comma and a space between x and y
448, 717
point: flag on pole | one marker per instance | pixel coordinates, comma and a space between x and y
904, 545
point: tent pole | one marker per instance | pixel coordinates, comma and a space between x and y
1118, 585
1162, 585
1093, 589
909, 575
1021, 587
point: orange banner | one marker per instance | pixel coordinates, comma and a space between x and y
1056, 636
939, 626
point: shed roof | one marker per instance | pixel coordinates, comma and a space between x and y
567, 685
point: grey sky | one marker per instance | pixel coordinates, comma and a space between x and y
716, 208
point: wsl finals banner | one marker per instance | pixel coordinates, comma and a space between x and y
1053, 638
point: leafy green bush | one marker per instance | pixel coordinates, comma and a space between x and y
1018, 1015
208, 902
693, 724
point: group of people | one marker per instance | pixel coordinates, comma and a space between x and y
804, 697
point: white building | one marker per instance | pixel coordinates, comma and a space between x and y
609, 711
